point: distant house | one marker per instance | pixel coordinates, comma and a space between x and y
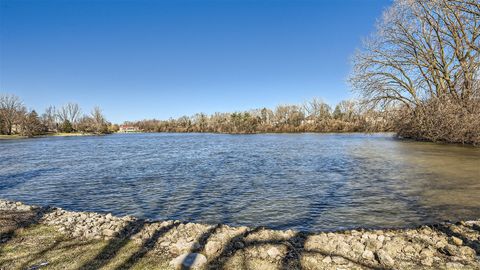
128, 129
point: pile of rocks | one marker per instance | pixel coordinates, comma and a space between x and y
446, 245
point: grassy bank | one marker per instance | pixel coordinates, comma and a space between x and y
59, 134
43, 246
11, 137
73, 134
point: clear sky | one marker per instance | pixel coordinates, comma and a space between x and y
161, 59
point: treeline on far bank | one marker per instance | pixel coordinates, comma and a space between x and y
312, 116
16, 119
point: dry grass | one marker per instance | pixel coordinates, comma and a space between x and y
10, 137
442, 121
41, 246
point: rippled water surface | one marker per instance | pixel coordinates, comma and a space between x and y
307, 182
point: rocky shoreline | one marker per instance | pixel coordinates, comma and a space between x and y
201, 246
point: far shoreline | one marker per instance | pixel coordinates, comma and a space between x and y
60, 134
393, 134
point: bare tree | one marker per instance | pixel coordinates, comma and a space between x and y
317, 109
10, 106
425, 60
69, 112
99, 120
423, 49
346, 110
49, 118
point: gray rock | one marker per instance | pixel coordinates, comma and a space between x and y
381, 238
239, 245
189, 260
273, 252
212, 247
109, 232
456, 241
358, 247
409, 249
453, 266
450, 250
384, 258
426, 253
327, 259
339, 260
183, 246
428, 261
343, 248
467, 252
440, 244
373, 244
368, 255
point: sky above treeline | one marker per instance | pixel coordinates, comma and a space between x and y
161, 59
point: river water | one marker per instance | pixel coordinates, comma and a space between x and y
307, 182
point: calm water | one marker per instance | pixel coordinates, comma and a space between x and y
307, 182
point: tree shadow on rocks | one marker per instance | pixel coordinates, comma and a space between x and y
292, 259
147, 245
203, 239
200, 244
446, 229
114, 245
230, 248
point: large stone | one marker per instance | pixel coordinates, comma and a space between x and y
239, 245
453, 266
327, 259
381, 238
393, 247
339, 260
467, 252
428, 261
212, 247
384, 258
343, 248
109, 232
189, 260
358, 247
273, 252
456, 241
409, 249
368, 255
440, 244
183, 246
450, 250
426, 253
373, 244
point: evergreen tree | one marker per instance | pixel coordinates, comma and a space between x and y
66, 126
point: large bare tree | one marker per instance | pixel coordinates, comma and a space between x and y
99, 120
70, 112
49, 118
317, 109
10, 106
423, 49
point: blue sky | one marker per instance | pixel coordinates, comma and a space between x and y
161, 59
